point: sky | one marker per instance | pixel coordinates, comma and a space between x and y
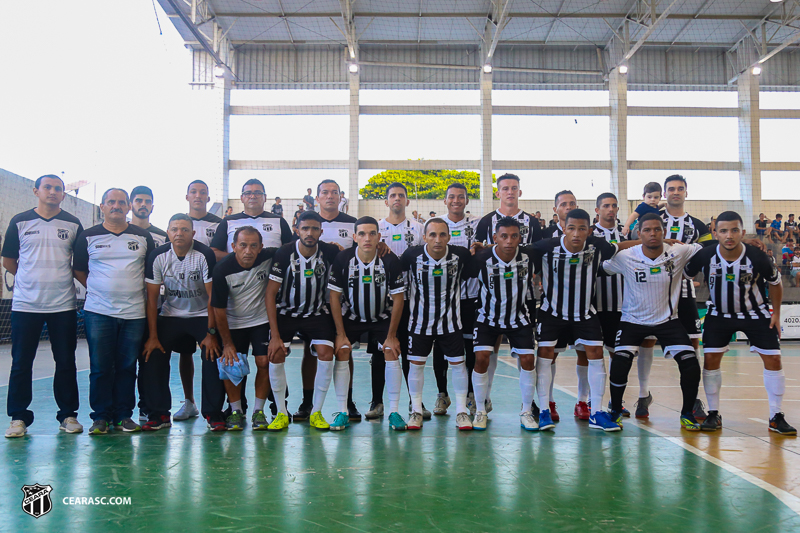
99, 91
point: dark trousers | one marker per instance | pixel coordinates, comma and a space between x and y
26, 328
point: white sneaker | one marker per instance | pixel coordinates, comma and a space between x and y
471, 403
414, 421
463, 423
488, 404
71, 425
479, 423
188, 410
441, 405
16, 429
527, 422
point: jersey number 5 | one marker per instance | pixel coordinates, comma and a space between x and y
641, 277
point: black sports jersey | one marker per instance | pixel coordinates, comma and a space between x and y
183, 278
530, 230
274, 230
159, 235
366, 288
43, 248
688, 230
568, 279
205, 228
504, 289
553, 230
241, 291
304, 280
339, 230
434, 294
115, 263
609, 288
738, 289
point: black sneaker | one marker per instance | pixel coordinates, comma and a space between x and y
352, 412
699, 410
535, 410
303, 412
778, 424
712, 422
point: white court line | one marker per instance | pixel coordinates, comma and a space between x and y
759, 420
789, 500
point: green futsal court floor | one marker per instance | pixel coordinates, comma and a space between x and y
371, 479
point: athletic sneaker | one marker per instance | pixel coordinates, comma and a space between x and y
480, 421
601, 420
488, 405
396, 422
216, 425
303, 412
99, 427
712, 422
280, 422
375, 411
317, 421
528, 422
535, 410
545, 421
340, 422
582, 411
471, 403
553, 413
156, 423
778, 424
188, 410
616, 417
426, 415
689, 422
643, 405
442, 403
236, 421
129, 426
353, 413
16, 429
143, 417
625, 412
259, 420
463, 423
699, 410
70, 425
414, 421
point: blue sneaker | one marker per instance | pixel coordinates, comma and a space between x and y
601, 420
545, 422
340, 422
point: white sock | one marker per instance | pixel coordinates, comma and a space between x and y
236, 406
712, 383
259, 404
461, 386
583, 383
189, 402
644, 361
416, 380
277, 379
775, 383
341, 383
527, 385
544, 379
321, 383
597, 382
552, 383
492, 369
394, 384
480, 384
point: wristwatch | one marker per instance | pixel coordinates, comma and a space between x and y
212, 331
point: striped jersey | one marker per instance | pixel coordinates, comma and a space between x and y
115, 263
530, 231
609, 289
43, 248
504, 289
737, 289
688, 230
652, 286
553, 231
339, 230
434, 293
366, 289
398, 237
274, 230
304, 280
183, 278
241, 291
159, 235
568, 279
463, 233
205, 228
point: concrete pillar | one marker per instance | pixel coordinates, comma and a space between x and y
749, 148
352, 187
219, 184
486, 203
618, 138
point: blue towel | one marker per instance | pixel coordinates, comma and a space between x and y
235, 372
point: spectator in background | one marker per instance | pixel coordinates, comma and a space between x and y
308, 200
538, 215
787, 253
417, 217
554, 221
775, 228
790, 226
761, 226
795, 272
712, 226
297, 214
228, 212
543, 223
277, 208
651, 200
771, 255
344, 205
432, 214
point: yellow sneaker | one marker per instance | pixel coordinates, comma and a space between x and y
318, 421
280, 422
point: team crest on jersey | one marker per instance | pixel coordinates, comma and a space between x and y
409, 238
669, 266
210, 233
267, 227
523, 233
523, 272
194, 275
63, 234
688, 231
588, 255
746, 276
36, 501
452, 268
261, 276
133, 246
343, 233
319, 270
469, 232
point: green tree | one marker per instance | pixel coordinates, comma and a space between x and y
430, 184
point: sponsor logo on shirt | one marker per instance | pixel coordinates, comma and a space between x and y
63, 234
236, 286
97, 246
133, 246
31, 232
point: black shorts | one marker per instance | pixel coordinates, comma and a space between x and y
671, 336
468, 310
377, 331
689, 317
521, 339
318, 328
451, 344
609, 323
255, 336
175, 333
557, 333
717, 333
